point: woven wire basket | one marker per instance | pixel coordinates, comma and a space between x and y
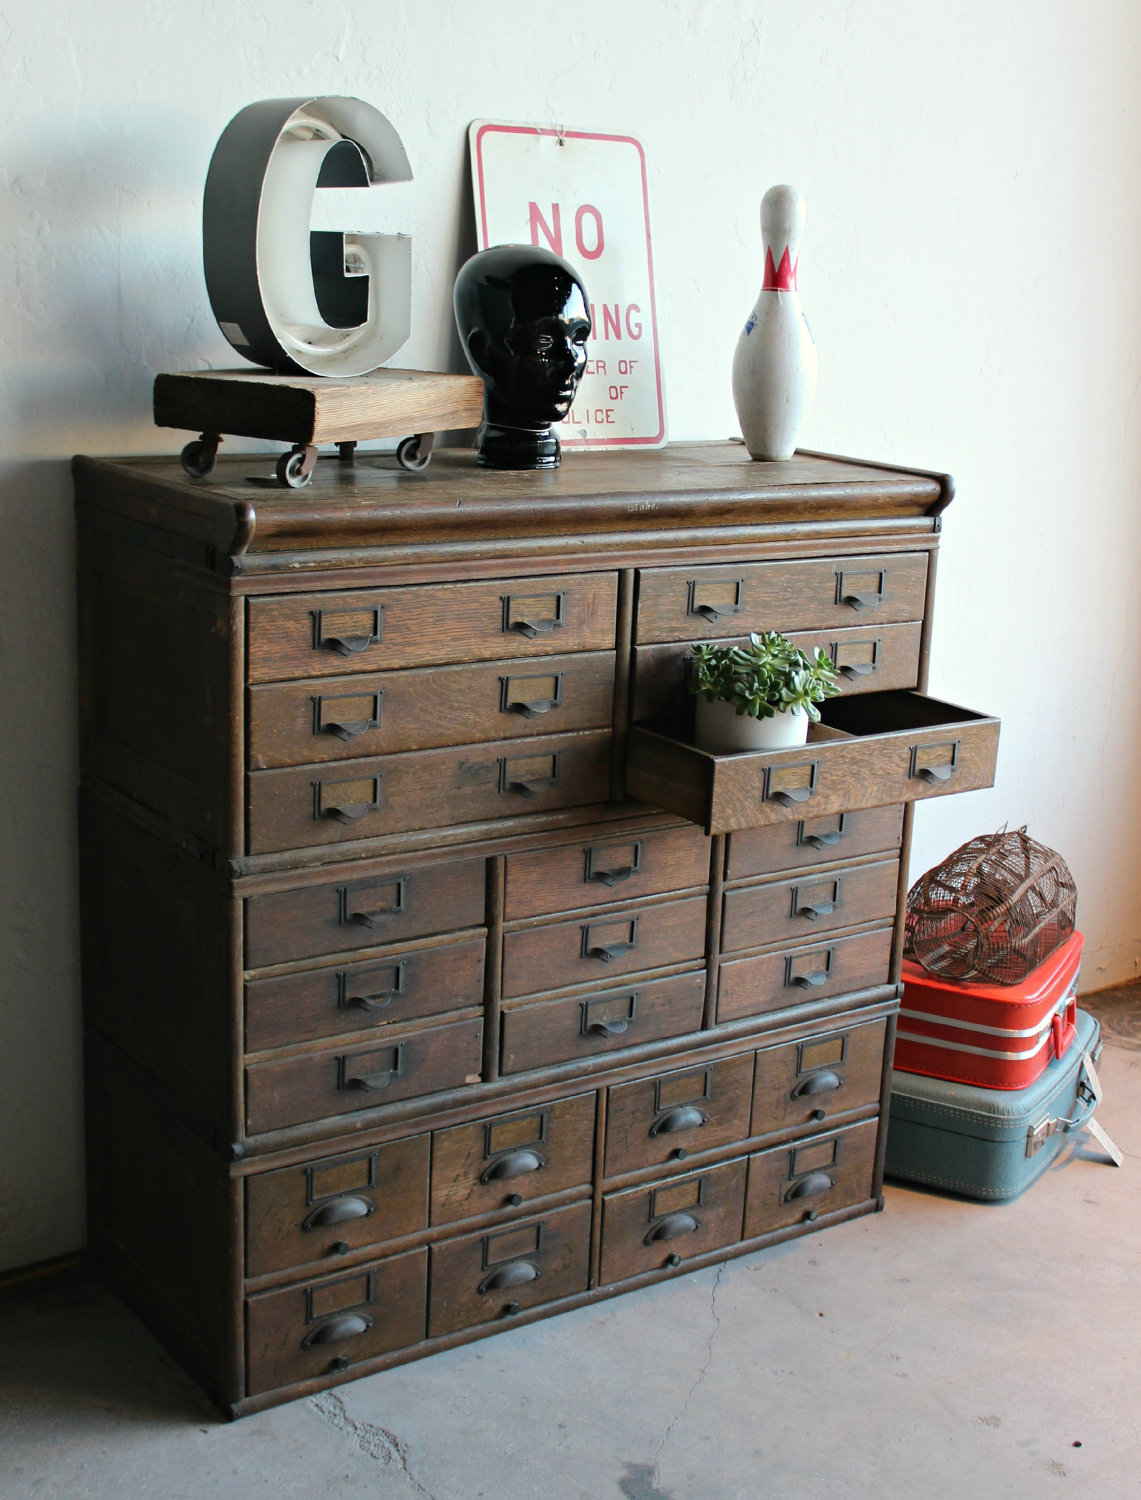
992, 911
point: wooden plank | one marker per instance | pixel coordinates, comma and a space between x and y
317, 409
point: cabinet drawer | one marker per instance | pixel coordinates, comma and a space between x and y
508, 1159
326, 635
822, 1075
811, 902
499, 1273
362, 1075
300, 723
870, 751
667, 1223
558, 954
674, 1115
333, 1324
683, 604
795, 845
871, 659
330, 1207
790, 976
365, 912
309, 805
542, 1032
398, 984
796, 1184
602, 869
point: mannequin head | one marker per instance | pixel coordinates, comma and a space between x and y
524, 320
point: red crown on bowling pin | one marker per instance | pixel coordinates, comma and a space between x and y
780, 278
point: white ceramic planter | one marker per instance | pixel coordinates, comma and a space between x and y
720, 728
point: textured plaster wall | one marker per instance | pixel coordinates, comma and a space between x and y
970, 271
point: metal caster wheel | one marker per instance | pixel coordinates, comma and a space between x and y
415, 453
295, 468
199, 456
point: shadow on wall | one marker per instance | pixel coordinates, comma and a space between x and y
104, 245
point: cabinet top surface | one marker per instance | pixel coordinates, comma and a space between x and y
691, 486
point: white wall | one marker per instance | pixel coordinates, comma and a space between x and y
972, 271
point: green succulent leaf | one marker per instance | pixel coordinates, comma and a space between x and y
768, 676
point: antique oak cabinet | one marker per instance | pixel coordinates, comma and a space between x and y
434, 981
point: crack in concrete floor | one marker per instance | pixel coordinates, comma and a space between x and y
701, 1374
374, 1442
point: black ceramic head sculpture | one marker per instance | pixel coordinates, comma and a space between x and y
524, 321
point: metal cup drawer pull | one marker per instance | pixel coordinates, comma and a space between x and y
363, 796
514, 1164
822, 1082
790, 784
845, 659
934, 763
352, 915
612, 1015
826, 840
608, 952
347, 642
340, 1211
537, 703
342, 727
617, 873
860, 590
336, 1329
534, 614
685, 1117
377, 1001
815, 903
524, 774
672, 1226
809, 979
714, 598
515, 1273
372, 1083
810, 1187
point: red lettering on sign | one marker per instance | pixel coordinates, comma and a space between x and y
554, 237
633, 330
611, 320
599, 238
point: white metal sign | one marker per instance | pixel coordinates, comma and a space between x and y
583, 195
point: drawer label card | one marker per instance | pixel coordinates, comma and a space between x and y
812, 1158
530, 615
337, 1296
682, 1088
826, 1052
520, 1130
676, 1196
330, 1179
510, 1244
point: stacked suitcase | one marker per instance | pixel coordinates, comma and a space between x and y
990, 1080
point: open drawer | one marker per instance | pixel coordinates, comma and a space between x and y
869, 751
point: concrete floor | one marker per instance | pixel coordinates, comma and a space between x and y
940, 1349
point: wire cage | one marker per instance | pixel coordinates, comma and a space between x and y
992, 911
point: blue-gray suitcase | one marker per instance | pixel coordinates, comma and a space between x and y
991, 1143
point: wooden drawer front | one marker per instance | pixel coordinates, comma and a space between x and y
509, 1159
682, 604
364, 912
813, 841
871, 659
796, 1184
675, 1115
790, 976
290, 724
332, 1324
605, 868
338, 1204
499, 1273
326, 635
362, 1075
812, 902
425, 789
873, 750
668, 1223
398, 984
825, 1074
539, 1033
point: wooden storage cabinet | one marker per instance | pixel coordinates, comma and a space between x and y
434, 981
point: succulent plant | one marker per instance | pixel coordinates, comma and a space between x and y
766, 677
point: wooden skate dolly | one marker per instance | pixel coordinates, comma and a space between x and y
307, 410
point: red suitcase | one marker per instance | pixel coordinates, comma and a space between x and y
993, 1036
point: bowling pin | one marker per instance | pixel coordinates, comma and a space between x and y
774, 366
